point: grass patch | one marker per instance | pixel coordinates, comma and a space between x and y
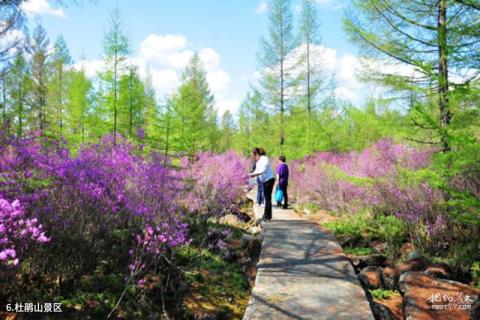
311, 207
475, 270
216, 287
381, 294
351, 225
388, 229
359, 251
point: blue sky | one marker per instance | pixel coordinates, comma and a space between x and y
164, 33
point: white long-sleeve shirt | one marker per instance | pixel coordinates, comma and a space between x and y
263, 168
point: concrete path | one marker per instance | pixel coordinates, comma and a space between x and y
303, 274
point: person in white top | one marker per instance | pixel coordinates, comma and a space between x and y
264, 171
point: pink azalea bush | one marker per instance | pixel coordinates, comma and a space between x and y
370, 179
217, 182
17, 232
106, 197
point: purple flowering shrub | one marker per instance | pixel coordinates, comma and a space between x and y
216, 182
89, 204
380, 178
17, 232
105, 206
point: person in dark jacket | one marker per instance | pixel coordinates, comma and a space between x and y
282, 178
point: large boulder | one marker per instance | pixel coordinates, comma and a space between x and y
245, 241
360, 262
371, 277
382, 312
429, 298
230, 219
391, 275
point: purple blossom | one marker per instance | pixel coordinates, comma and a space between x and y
370, 179
17, 231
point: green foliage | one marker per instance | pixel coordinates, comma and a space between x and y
359, 251
352, 225
78, 110
116, 49
475, 270
19, 84
58, 86
192, 118
388, 229
227, 130
39, 66
131, 103
391, 229
382, 294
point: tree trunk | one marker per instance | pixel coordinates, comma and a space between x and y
443, 103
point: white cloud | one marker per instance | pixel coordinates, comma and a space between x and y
223, 104
210, 58
179, 60
218, 81
166, 56
39, 7
262, 7
346, 93
344, 70
165, 81
91, 67
165, 49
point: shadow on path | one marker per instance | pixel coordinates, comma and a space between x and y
304, 274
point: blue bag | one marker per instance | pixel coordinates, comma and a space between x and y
278, 195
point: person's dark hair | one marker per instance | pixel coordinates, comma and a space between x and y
256, 151
282, 158
262, 152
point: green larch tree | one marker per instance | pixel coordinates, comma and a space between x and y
40, 77
116, 48
78, 107
19, 85
436, 40
58, 85
131, 103
276, 72
193, 115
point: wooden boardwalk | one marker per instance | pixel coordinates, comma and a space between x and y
303, 274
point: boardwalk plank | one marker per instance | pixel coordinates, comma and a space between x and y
303, 274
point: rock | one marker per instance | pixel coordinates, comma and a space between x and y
381, 312
414, 255
245, 241
255, 247
391, 308
244, 261
360, 262
230, 219
428, 298
371, 277
205, 317
350, 241
214, 235
229, 255
255, 230
379, 246
438, 271
391, 275
242, 216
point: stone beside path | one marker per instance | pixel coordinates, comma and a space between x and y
303, 274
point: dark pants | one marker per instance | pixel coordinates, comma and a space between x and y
285, 196
260, 195
268, 189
